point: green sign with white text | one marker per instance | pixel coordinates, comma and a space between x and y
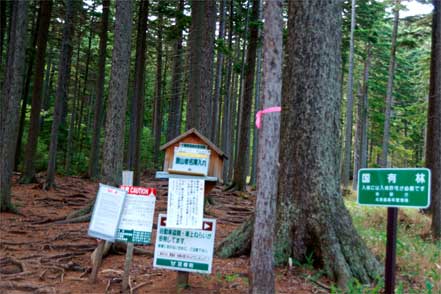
394, 187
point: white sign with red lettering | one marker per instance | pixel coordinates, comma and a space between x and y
137, 215
107, 212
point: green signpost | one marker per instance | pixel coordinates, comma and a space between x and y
394, 187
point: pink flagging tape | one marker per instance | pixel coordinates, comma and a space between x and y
264, 111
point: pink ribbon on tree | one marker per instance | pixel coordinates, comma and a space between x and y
264, 111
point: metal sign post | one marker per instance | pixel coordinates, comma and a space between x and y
393, 188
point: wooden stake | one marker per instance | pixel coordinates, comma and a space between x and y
181, 281
97, 261
127, 266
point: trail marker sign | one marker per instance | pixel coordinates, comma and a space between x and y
137, 215
188, 250
394, 187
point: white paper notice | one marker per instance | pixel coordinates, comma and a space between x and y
107, 212
185, 208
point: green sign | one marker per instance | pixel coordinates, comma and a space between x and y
394, 187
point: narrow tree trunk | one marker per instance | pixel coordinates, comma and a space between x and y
174, 114
2, 31
25, 97
62, 88
242, 160
389, 91
226, 126
201, 40
360, 150
262, 277
10, 100
34, 125
113, 152
98, 106
349, 106
68, 158
218, 81
137, 117
157, 111
433, 146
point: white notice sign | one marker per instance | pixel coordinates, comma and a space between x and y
137, 216
191, 160
106, 212
185, 208
186, 250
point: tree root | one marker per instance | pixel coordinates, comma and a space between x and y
74, 220
231, 188
238, 242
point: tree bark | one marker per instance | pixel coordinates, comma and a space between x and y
433, 146
62, 88
218, 80
113, 152
349, 106
10, 100
2, 31
174, 115
389, 91
34, 124
137, 115
262, 277
98, 107
157, 111
311, 215
360, 150
201, 38
242, 160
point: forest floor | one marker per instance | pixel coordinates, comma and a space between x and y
37, 255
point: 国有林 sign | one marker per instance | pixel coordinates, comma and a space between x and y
394, 187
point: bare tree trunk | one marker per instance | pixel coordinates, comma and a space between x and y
34, 125
309, 185
433, 146
389, 91
113, 153
201, 40
2, 31
157, 111
174, 114
349, 106
137, 117
242, 160
62, 88
218, 81
360, 150
262, 277
98, 107
10, 100
226, 126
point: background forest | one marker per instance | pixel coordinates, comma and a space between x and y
105, 83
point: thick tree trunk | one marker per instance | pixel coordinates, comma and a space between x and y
311, 214
62, 88
137, 111
157, 107
218, 80
174, 114
389, 90
349, 106
98, 106
433, 146
10, 100
262, 261
34, 125
360, 150
2, 31
113, 152
201, 40
242, 160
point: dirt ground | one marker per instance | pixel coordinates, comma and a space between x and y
38, 255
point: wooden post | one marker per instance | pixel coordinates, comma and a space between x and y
128, 181
97, 260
